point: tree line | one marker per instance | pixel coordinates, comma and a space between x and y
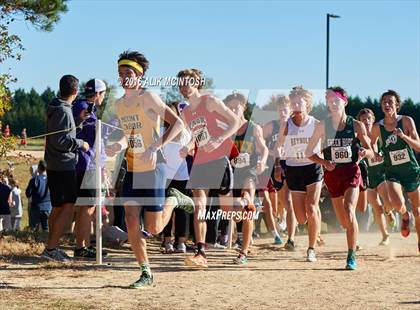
28, 109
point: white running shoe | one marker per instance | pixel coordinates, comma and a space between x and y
310, 256
385, 241
181, 248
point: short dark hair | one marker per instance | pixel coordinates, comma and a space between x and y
42, 165
137, 57
393, 93
339, 90
236, 96
68, 85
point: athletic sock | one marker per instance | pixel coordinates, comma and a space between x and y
275, 233
145, 268
172, 201
201, 249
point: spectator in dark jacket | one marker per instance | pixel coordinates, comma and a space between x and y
39, 194
61, 148
5, 202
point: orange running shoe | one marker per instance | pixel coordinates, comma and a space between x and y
405, 226
198, 261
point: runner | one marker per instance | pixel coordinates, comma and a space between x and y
211, 124
376, 183
399, 140
139, 112
342, 136
304, 178
250, 142
278, 190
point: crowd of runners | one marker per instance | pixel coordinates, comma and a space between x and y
186, 157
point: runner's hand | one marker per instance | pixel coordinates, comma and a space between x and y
378, 157
112, 149
85, 146
362, 153
399, 133
183, 152
329, 165
278, 173
213, 144
260, 167
149, 156
85, 114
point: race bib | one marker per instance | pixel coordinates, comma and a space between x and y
241, 161
341, 155
135, 143
201, 136
373, 162
399, 157
300, 156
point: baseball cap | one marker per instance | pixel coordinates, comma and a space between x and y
94, 86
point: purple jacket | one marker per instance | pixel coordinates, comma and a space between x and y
87, 133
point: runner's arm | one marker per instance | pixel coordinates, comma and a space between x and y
261, 147
409, 135
161, 109
319, 133
361, 133
216, 105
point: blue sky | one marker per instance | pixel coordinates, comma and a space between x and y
252, 45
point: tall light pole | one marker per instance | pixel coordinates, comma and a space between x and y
328, 45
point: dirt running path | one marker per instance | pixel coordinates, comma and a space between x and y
387, 278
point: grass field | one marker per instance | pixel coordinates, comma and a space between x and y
34, 145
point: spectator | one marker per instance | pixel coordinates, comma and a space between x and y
16, 209
7, 131
61, 156
23, 137
95, 90
39, 194
5, 202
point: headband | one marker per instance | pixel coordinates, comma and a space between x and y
132, 64
339, 95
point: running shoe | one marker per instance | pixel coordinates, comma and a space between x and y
216, 246
144, 281
55, 255
405, 226
169, 247
241, 259
385, 241
197, 260
282, 226
84, 253
146, 234
92, 248
237, 244
290, 245
320, 241
183, 202
310, 256
223, 239
390, 218
180, 248
277, 240
351, 261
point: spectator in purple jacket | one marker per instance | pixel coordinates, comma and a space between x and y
94, 94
